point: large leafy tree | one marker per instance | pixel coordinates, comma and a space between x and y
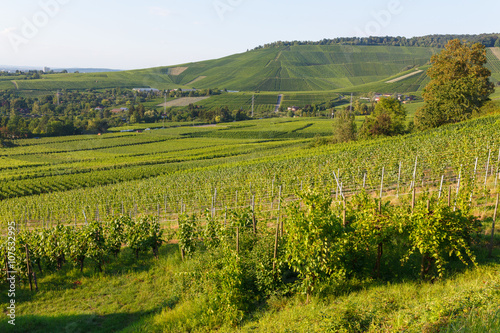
460, 85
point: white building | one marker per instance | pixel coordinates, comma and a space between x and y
146, 90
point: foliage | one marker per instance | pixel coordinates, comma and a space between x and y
77, 246
227, 294
212, 232
375, 227
115, 233
96, 251
460, 85
488, 40
387, 119
344, 127
53, 247
314, 243
54, 244
142, 234
155, 234
187, 234
439, 233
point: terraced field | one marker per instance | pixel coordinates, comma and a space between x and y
296, 68
493, 56
339, 68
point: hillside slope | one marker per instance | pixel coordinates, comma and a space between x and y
342, 68
295, 68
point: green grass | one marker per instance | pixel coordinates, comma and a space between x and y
149, 295
468, 302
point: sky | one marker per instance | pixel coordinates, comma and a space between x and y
124, 34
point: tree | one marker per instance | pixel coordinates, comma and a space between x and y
387, 119
497, 43
344, 128
358, 107
140, 112
460, 85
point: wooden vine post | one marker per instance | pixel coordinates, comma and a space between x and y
225, 217
449, 196
7, 266
415, 172
413, 199
28, 266
487, 168
490, 251
276, 238
441, 187
344, 215
382, 183
473, 179
254, 220
238, 240
399, 179
280, 221
458, 188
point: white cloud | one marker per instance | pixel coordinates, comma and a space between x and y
159, 11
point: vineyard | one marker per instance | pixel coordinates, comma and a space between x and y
251, 213
55, 180
296, 68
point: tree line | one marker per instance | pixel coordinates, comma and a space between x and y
440, 41
79, 112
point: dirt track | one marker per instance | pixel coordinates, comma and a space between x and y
196, 80
496, 51
184, 101
176, 70
404, 76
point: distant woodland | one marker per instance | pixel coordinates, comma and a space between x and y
488, 40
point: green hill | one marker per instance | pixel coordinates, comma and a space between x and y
295, 68
340, 68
